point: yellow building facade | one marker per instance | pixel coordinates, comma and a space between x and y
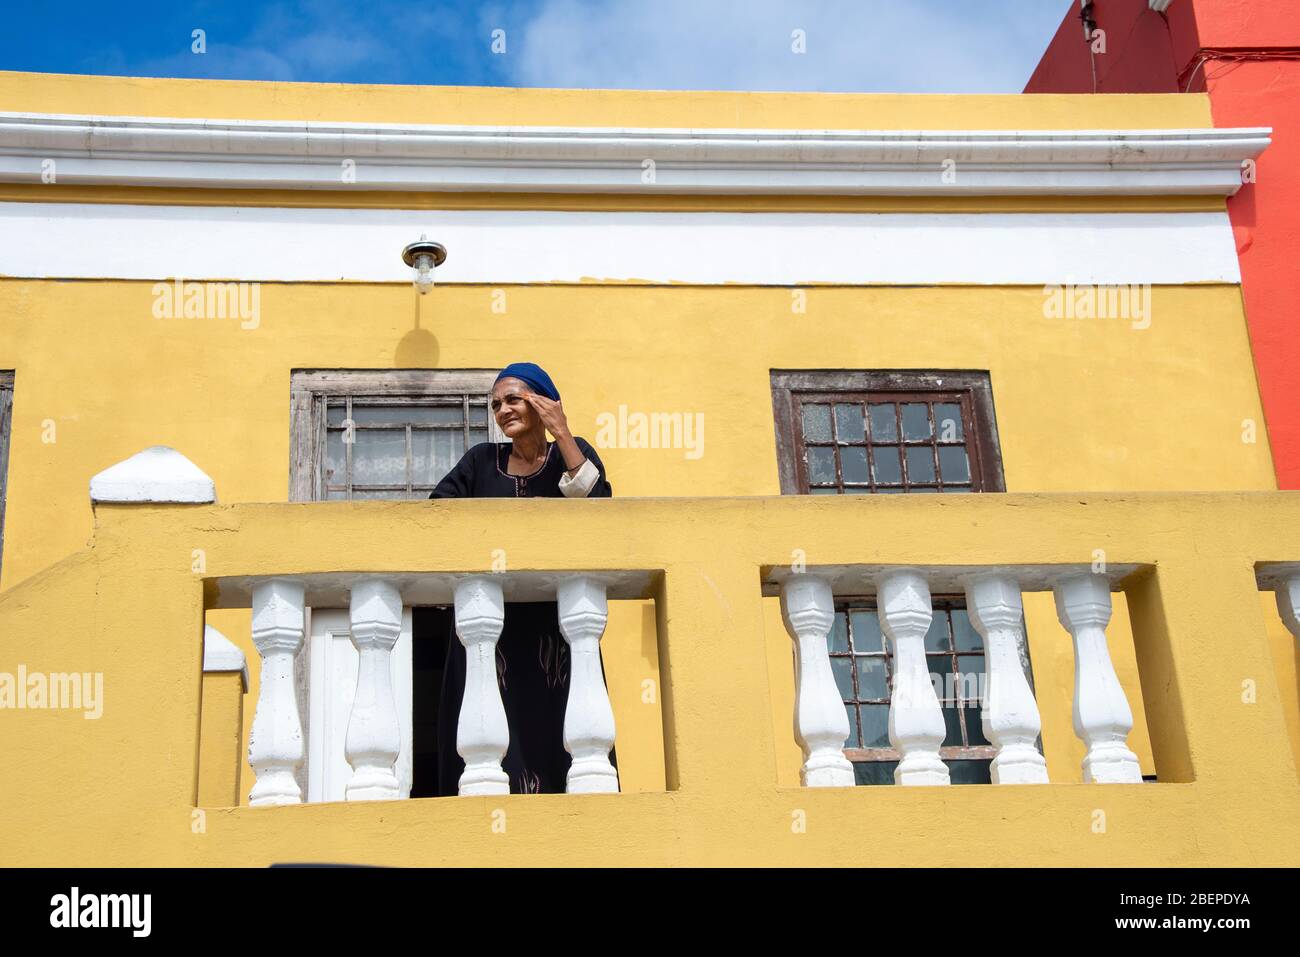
211, 267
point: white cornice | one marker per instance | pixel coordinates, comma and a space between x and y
151, 151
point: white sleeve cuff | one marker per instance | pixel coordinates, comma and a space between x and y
580, 484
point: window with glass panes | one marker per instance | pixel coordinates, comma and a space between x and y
854, 433
845, 432
384, 434
863, 669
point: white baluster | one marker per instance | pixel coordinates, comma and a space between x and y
374, 737
1288, 604
275, 745
916, 726
482, 734
1102, 717
820, 724
588, 717
1009, 717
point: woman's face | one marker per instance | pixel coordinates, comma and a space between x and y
513, 413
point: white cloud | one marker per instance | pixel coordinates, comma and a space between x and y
922, 46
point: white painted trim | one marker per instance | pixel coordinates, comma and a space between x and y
281, 154
93, 241
157, 474
221, 654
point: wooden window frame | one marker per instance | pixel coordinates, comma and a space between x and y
310, 390
790, 387
6, 426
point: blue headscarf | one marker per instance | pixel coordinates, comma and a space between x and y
533, 375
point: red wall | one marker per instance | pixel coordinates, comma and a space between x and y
1195, 46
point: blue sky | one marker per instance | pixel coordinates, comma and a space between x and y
923, 46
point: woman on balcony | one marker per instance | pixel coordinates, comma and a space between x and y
532, 655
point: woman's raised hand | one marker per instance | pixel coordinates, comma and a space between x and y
551, 412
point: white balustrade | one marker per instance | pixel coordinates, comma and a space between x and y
588, 717
916, 725
373, 736
1102, 716
820, 726
482, 734
275, 744
1009, 717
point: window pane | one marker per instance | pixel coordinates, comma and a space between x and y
973, 727
842, 668
936, 639
335, 415
358, 494
335, 459
920, 464
403, 414
875, 725
871, 678
824, 491
477, 436
970, 677
969, 772
817, 423
967, 638
854, 463
947, 419
874, 772
853, 740
839, 637
821, 466
888, 468
478, 415
379, 457
884, 427
866, 631
916, 421
941, 676
952, 726
849, 424
954, 464
448, 447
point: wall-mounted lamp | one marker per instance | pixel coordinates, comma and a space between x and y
424, 256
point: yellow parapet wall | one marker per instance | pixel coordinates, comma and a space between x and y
121, 789
503, 106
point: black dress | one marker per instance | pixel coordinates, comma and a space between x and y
532, 655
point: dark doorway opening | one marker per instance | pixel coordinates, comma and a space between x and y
431, 628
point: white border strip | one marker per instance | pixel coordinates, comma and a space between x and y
154, 151
92, 241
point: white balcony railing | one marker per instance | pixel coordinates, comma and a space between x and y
376, 605
1009, 713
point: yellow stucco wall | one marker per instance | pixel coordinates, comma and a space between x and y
221, 738
84, 402
120, 789
1082, 406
